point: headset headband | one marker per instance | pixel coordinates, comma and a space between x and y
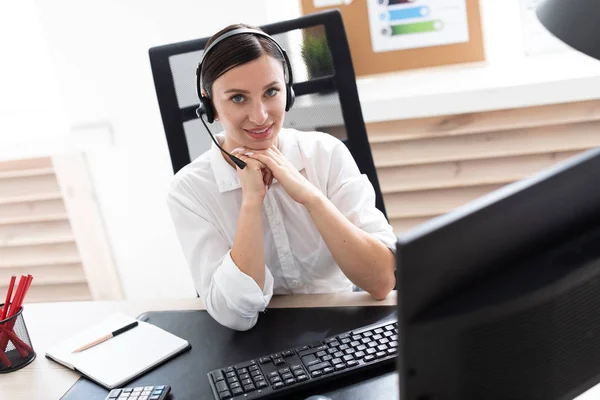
237, 32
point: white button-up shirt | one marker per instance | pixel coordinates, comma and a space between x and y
205, 200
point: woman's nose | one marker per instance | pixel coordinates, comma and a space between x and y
258, 113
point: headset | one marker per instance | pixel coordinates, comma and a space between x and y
206, 107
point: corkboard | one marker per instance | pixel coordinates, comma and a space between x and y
368, 62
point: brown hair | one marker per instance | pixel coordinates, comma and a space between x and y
235, 50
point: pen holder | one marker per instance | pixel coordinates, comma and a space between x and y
15, 345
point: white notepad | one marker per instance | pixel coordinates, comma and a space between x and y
121, 358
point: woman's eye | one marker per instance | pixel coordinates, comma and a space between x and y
238, 98
271, 92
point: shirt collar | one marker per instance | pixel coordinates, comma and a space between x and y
226, 176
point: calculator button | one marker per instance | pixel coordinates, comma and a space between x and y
114, 394
154, 397
143, 397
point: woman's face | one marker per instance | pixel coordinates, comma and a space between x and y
249, 100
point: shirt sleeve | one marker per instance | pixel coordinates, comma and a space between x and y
353, 194
230, 296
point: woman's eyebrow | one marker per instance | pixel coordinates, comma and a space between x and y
245, 91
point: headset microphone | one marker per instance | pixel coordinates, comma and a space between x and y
233, 158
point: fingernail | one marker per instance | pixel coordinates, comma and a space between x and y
249, 153
238, 149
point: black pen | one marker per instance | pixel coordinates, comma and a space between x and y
105, 338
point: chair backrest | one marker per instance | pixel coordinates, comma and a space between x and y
324, 84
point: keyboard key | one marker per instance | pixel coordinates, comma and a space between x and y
225, 395
369, 358
221, 386
318, 366
237, 391
380, 354
296, 366
261, 384
246, 382
275, 355
114, 394
287, 353
264, 360
244, 376
301, 378
351, 363
275, 379
310, 360
235, 385
290, 381
278, 385
328, 370
287, 376
339, 366
315, 374
217, 375
242, 371
253, 368
278, 361
249, 388
284, 371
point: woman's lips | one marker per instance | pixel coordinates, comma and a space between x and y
260, 133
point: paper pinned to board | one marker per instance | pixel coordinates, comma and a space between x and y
406, 24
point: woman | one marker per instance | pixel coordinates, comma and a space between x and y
299, 218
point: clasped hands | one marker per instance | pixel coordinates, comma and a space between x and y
264, 165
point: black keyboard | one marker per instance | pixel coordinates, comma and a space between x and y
291, 370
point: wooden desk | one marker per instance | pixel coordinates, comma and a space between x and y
44, 379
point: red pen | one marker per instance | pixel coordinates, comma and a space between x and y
8, 294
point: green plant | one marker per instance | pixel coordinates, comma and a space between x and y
316, 56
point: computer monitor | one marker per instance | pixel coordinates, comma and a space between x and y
500, 299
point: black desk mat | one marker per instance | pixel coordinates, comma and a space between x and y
214, 346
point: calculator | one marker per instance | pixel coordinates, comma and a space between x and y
140, 393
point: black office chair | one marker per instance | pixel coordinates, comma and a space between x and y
327, 103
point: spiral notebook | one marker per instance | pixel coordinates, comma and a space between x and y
121, 358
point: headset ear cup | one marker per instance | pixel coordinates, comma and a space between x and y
290, 98
207, 109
